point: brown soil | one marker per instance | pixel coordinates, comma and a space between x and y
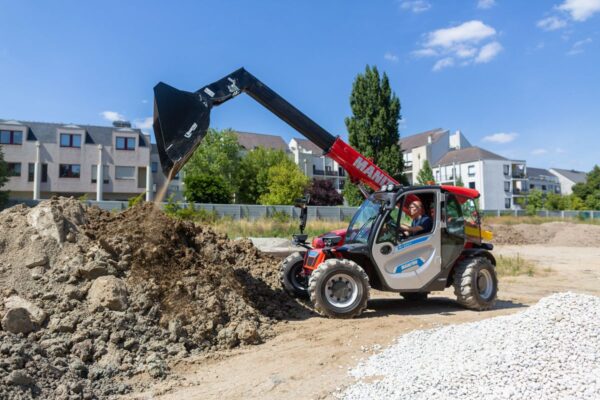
552, 233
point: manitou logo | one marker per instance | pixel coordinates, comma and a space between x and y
371, 171
188, 134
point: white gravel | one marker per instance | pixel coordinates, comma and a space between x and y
549, 351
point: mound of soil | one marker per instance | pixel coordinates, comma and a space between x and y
91, 297
551, 234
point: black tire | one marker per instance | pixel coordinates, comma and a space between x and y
475, 283
290, 276
414, 296
352, 286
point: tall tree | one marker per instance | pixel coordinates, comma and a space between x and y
373, 126
3, 177
425, 175
218, 156
253, 172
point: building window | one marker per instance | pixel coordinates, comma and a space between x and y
31, 172
471, 170
95, 173
154, 167
11, 137
531, 186
506, 169
124, 172
507, 203
125, 143
14, 169
506, 186
471, 185
69, 170
70, 140
544, 187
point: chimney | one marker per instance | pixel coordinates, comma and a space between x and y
429, 139
121, 124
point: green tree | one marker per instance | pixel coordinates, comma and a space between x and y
218, 156
554, 202
286, 183
535, 201
207, 188
425, 175
3, 178
373, 126
590, 186
459, 182
253, 173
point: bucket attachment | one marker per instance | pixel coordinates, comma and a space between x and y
181, 120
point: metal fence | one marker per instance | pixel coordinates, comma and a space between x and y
252, 212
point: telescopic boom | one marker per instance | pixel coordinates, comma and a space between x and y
181, 120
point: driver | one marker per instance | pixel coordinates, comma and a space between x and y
421, 223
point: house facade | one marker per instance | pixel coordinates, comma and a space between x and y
542, 180
309, 157
102, 163
567, 178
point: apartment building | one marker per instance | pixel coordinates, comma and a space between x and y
542, 180
499, 180
430, 145
104, 163
309, 157
567, 178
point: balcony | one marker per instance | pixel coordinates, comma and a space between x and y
327, 173
521, 192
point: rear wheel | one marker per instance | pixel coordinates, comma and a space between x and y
292, 277
414, 296
339, 288
475, 283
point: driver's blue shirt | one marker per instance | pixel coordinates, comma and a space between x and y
424, 222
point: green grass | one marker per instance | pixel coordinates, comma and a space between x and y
515, 266
266, 227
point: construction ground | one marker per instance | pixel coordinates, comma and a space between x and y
134, 305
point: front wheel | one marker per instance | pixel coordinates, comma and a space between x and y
339, 288
292, 276
475, 283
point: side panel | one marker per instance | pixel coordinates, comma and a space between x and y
413, 262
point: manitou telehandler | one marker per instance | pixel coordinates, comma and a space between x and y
376, 250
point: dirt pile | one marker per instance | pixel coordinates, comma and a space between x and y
90, 297
551, 234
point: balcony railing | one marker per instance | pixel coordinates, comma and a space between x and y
327, 173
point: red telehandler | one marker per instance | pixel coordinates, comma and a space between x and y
376, 250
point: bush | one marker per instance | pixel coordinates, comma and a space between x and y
136, 200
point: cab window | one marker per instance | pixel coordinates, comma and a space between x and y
454, 217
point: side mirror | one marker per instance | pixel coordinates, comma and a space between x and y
331, 241
302, 202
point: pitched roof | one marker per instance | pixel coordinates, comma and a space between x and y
420, 139
45, 132
467, 155
572, 175
310, 146
250, 141
535, 172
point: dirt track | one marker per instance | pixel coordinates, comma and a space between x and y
309, 358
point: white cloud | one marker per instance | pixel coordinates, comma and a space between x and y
468, 32
578, 46
488, 52
580, 10
443, 63
538, 152
462, 42
416, 6
144, 124
485, 4
112, 116
391, 57
551, 23
501, 137
144, 101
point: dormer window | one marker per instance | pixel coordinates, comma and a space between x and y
70, 140
11, 137
125, 143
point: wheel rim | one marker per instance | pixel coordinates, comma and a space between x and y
297, 278
341, 290
485, 284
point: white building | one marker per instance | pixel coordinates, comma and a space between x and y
499, 180
309, 157
568, 178
542, 180
431, 146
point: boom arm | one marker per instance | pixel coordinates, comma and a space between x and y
181, 120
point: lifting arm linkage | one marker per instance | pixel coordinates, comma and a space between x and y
181, 120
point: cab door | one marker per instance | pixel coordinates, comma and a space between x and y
409, 262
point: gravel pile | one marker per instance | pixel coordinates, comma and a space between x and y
90, 298
549, 351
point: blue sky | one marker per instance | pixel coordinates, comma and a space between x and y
520, 78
